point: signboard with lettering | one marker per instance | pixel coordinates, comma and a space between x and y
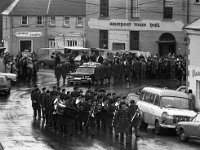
195, 73
123, 24
28, 34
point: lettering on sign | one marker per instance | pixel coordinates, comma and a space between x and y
28, 34
137, 24
195, 73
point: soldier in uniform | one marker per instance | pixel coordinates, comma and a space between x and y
135, 119
122, 122
58, 73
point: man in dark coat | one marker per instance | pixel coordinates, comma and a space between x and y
36, 103
58, 73
100, 59
57, 60
43, 102
65, 70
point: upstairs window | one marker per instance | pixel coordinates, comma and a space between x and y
24, 20
197, 1
135, 9
39, 20
79, 22
104, 8
168, 9
52, 21
66, 21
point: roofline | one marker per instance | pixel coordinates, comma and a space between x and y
185, 26
10, 8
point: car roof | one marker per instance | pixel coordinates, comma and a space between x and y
165, 92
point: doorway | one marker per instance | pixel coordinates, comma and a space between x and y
167, 44
25, 45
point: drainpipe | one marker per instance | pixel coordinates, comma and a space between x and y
188, 11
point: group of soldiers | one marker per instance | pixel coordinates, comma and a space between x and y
69, 112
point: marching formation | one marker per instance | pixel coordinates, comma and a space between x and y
72, 112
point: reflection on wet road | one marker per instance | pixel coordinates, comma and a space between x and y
18, 130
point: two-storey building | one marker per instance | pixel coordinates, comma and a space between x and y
145, 25
32, 24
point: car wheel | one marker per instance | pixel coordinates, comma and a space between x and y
42, 64
183, 136
158, 128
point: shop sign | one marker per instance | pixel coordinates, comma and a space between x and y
141, 25
28, 34
195, 73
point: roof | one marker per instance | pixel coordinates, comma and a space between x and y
165, 92
195, 25
47, 7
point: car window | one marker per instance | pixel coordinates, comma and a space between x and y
146, 97
197, 118
142, 96
157, 101
151, 98
175, 102
85, 70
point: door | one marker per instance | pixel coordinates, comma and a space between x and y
166, 48
194, 128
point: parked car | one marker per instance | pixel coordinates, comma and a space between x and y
189, 129
49, 60
164, 108
5, 85
11, 76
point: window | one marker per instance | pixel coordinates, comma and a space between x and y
24, 20
52, 21
168, 9
135, 9
79, 22
157, 102
103, 40
66, 22
51, 43
151, 99
71, 43
134, 40
146, 97
26, 45
39, 20
197, 1
104, 8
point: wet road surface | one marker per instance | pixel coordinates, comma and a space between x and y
18, 130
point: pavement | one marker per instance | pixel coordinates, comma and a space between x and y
19, 131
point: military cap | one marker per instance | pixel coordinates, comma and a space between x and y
43, 89
124, 97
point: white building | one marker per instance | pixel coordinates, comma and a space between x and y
193, 78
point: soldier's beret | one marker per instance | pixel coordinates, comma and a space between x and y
43, 88
124, 97
48, 91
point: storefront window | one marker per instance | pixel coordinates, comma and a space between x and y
134, 40
104, 8
103, 43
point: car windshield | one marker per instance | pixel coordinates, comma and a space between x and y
85, 70
175, 102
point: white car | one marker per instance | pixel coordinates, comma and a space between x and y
164, 108
11, 76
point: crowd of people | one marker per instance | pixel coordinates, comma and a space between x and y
25, 66
73, 111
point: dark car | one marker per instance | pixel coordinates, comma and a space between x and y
83, 74
50, 60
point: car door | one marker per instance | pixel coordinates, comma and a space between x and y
194, 126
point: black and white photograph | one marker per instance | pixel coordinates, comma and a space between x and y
99, 74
